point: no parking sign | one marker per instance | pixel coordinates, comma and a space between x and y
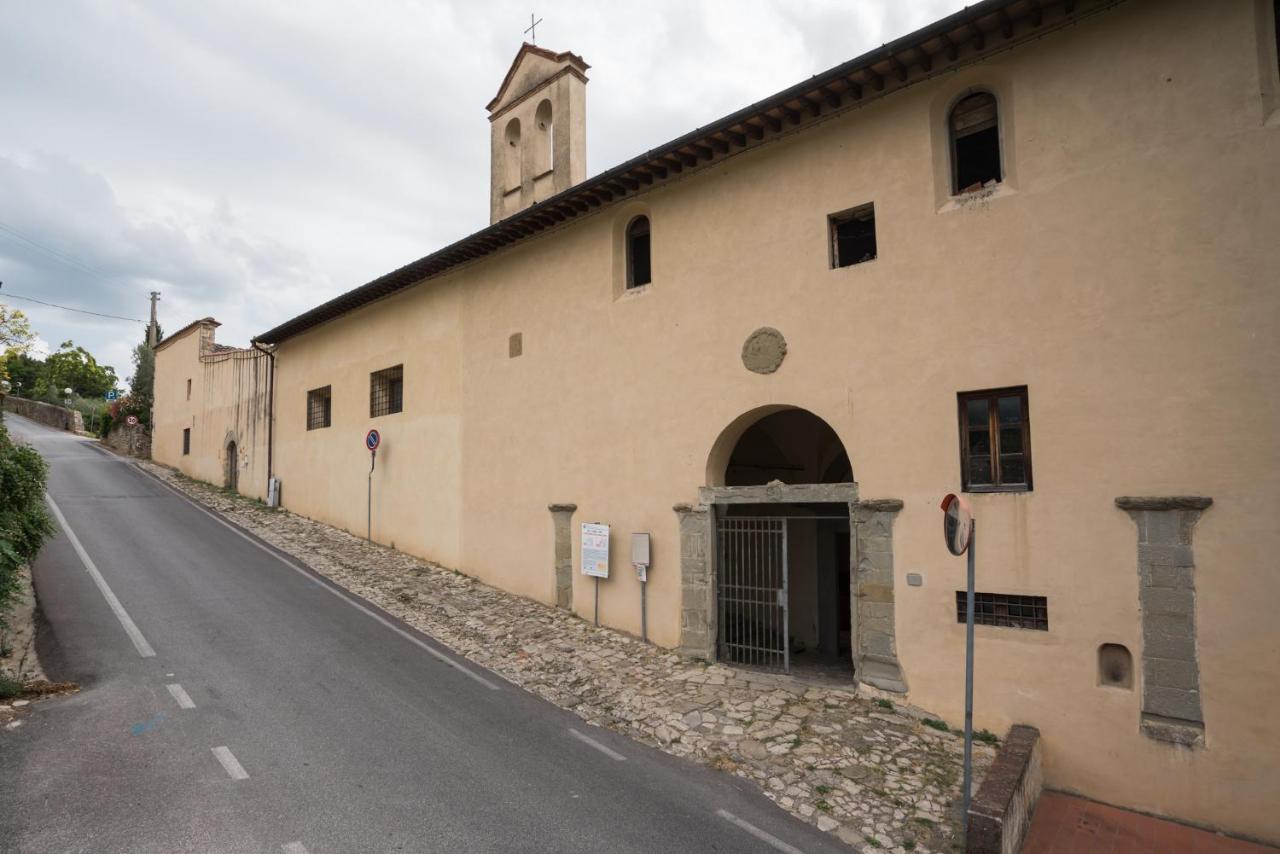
372, 440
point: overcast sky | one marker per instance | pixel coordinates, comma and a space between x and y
250, 159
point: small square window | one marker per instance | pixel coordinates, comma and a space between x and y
186, 441
319, 408
995, 440
853, 236
386, 391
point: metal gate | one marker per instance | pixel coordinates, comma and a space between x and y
752, 599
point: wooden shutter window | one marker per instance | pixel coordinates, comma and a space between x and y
995, 440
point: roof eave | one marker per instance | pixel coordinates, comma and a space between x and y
709, 144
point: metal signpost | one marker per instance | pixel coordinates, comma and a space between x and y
640, 560
372, 440
595, 556
959, 529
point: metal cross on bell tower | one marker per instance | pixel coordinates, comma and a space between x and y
533, 35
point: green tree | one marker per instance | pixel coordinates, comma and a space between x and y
75, 368
24, 371
15, 330
15, 337
142, 383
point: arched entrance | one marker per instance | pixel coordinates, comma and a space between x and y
232, 474
782, 498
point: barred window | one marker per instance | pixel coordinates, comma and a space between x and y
186, 441
386, 391
995, 441
1004, 609
319, 407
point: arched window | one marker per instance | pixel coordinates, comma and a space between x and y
975, 143
511, 155
638, 269
545, 156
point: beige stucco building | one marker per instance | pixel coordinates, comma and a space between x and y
775, 343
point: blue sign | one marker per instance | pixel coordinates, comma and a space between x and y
372, 439
113, 394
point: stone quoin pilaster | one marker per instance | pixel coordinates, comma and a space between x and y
1171, 706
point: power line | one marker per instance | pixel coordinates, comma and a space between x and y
69, 308
56, 254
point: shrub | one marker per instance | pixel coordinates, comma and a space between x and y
24, 524
9, 687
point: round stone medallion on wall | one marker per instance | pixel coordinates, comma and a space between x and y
764, 350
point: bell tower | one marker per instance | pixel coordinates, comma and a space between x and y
537, 130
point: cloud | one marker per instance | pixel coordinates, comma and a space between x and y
69, 240
250, 159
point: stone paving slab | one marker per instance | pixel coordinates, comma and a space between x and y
854, 763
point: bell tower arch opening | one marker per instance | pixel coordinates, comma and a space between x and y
512, 156
544, 149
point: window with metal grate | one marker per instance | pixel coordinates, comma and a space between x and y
386, 391
1005, 609
319, 408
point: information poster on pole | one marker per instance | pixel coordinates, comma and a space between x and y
595, 550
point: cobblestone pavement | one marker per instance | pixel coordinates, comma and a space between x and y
852, 762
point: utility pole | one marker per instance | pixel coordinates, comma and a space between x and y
153, 328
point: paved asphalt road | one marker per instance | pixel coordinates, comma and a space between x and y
355, 732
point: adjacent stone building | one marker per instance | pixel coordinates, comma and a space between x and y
776, 342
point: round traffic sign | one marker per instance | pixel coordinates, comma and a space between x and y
372, 439
131, 420
956, 523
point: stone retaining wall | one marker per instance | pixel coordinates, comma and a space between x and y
45, 413
134, 441
1000, 812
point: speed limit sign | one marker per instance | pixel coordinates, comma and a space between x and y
132, 421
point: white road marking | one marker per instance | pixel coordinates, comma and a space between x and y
293, 848
184, 699
612, 754
763, 836
233, 767
130, 628
488, 683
